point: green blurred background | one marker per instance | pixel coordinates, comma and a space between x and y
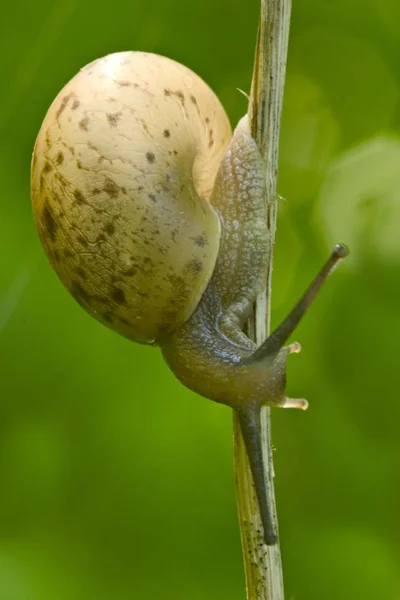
115, 481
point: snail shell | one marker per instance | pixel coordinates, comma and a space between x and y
122, 174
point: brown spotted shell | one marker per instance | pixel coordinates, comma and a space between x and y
122, 172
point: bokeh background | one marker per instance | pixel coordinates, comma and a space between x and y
117, 483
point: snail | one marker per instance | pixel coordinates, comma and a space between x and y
154, 216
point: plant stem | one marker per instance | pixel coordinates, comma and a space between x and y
263, 566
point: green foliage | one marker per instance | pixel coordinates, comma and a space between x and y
115, 481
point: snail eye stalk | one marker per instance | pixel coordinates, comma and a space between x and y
281, 334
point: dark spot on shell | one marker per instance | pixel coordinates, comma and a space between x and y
150, 157
123, 83
56, 255
113, 118
176, 152
63, 105
181, 293
110, 228
47, 167
167, 133
79, 197
118, 296
195, 266
68, 253
152, 197
49, 222
80, 293
100, 238
59, 158
207, 120
176, 280
200, 240
193, 99
96, 191
111, 188
83, 124
82, 240
178, 94
79, 164
75, 104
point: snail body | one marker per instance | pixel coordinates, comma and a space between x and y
155, 218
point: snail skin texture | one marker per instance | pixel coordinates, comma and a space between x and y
155, 219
